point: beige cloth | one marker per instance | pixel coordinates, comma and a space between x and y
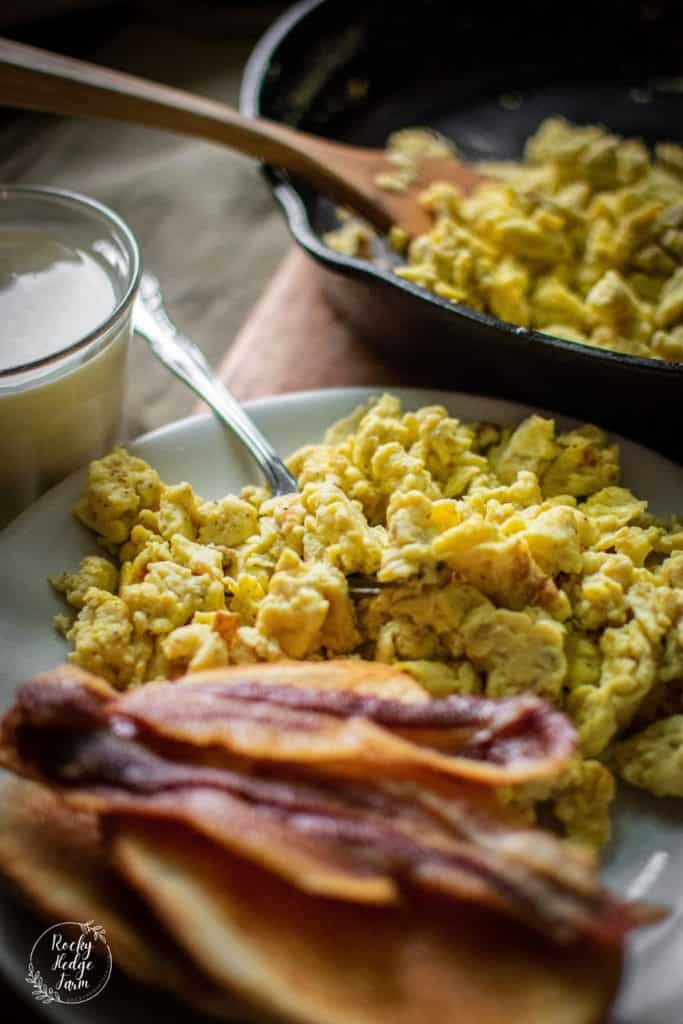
206, 223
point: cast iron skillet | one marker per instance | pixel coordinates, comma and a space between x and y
485, 77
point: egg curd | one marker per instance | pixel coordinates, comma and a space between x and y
583, 240
513, 561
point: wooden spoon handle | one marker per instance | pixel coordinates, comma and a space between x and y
35, 79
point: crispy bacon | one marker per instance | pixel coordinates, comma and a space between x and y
496, 742
491, 742
366, 840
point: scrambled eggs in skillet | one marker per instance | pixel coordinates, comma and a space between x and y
583, 240
514, 562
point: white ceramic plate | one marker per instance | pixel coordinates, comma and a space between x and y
646, 857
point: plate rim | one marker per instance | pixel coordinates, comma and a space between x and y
361, 391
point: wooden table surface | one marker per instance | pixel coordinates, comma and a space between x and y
293, 340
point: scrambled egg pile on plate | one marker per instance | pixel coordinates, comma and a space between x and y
584, 240
513, 562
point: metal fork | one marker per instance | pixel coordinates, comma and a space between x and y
183, 358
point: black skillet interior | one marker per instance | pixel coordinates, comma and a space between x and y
486, 77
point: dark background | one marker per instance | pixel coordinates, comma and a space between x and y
79, 27
33, 15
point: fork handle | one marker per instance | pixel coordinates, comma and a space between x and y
184, 359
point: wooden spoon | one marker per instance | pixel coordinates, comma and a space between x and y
39, 80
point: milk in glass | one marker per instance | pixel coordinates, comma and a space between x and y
63, 346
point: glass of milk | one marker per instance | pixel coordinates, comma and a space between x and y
69, 272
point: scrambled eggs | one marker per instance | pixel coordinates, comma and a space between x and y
513, 561
583, 240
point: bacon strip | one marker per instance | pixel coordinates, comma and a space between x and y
364, 841
490, 742
493, 742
